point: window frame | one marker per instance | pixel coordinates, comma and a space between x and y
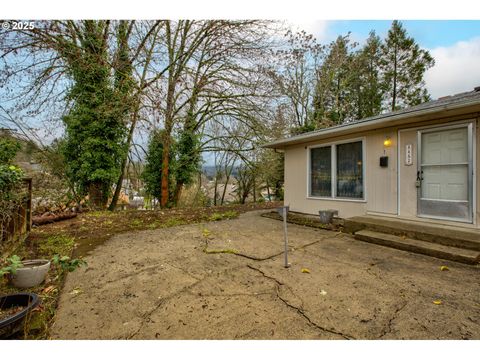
333, 170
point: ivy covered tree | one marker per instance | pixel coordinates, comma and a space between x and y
403, 65
152, 172
94, 127
187, 164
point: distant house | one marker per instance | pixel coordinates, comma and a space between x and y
417, 163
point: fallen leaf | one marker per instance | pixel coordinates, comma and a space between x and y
437, 302
76, 291
48, 289
444, 268
306, 271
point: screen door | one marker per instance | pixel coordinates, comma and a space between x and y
444, 176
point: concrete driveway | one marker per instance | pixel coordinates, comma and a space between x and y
226, 280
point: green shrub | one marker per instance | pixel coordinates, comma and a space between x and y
12, 264
10, 196
8, 150
67, 264
10, 177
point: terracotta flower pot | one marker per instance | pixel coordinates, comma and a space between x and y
32, 273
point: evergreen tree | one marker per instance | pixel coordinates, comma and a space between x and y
366, 81
403, 65
333, 93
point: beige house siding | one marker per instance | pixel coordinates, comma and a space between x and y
476, 193
388, 191
381, 182
408, 175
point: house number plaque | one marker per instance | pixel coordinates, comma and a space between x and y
408, 154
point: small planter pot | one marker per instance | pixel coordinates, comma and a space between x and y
32, 273
326, 216
10, 325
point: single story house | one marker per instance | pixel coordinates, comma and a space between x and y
418, 163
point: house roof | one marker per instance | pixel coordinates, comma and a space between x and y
464, 103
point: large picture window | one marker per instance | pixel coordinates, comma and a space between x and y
336, 171
350, 170
321, 171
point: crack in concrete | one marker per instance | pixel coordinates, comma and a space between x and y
161, 302
183, 270
185, 289
299, 310
234, 294
140, 271
250, 257
388, 327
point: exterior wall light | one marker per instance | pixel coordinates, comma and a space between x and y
387, 142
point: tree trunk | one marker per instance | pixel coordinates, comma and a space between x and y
268, 192
118, 188
215, 190
394, 95
198, 189
166, 143
244, 196
96, 196
225, 189
178, 192
165, 169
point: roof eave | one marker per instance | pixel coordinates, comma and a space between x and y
383, 122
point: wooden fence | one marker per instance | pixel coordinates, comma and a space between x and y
19, 224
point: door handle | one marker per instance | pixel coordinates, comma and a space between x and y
419, 175
418, 182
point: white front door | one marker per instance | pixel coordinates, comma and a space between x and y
445, 173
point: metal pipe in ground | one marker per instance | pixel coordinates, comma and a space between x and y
283, 211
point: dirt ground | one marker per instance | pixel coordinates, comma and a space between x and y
226, 280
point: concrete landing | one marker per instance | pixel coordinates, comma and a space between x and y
435, 233
465, 256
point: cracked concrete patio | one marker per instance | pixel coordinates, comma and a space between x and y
226, 280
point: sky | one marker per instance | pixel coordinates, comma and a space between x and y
454, 44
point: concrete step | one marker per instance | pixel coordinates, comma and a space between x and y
465, 256
432, 232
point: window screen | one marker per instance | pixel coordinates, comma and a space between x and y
321, 171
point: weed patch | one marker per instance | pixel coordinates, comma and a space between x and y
231, 214
56, 244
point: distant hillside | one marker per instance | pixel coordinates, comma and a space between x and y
209, 171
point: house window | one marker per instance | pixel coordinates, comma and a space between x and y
350, 170
321, 171
336, 171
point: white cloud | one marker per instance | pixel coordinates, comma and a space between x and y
318, 28
456, 70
